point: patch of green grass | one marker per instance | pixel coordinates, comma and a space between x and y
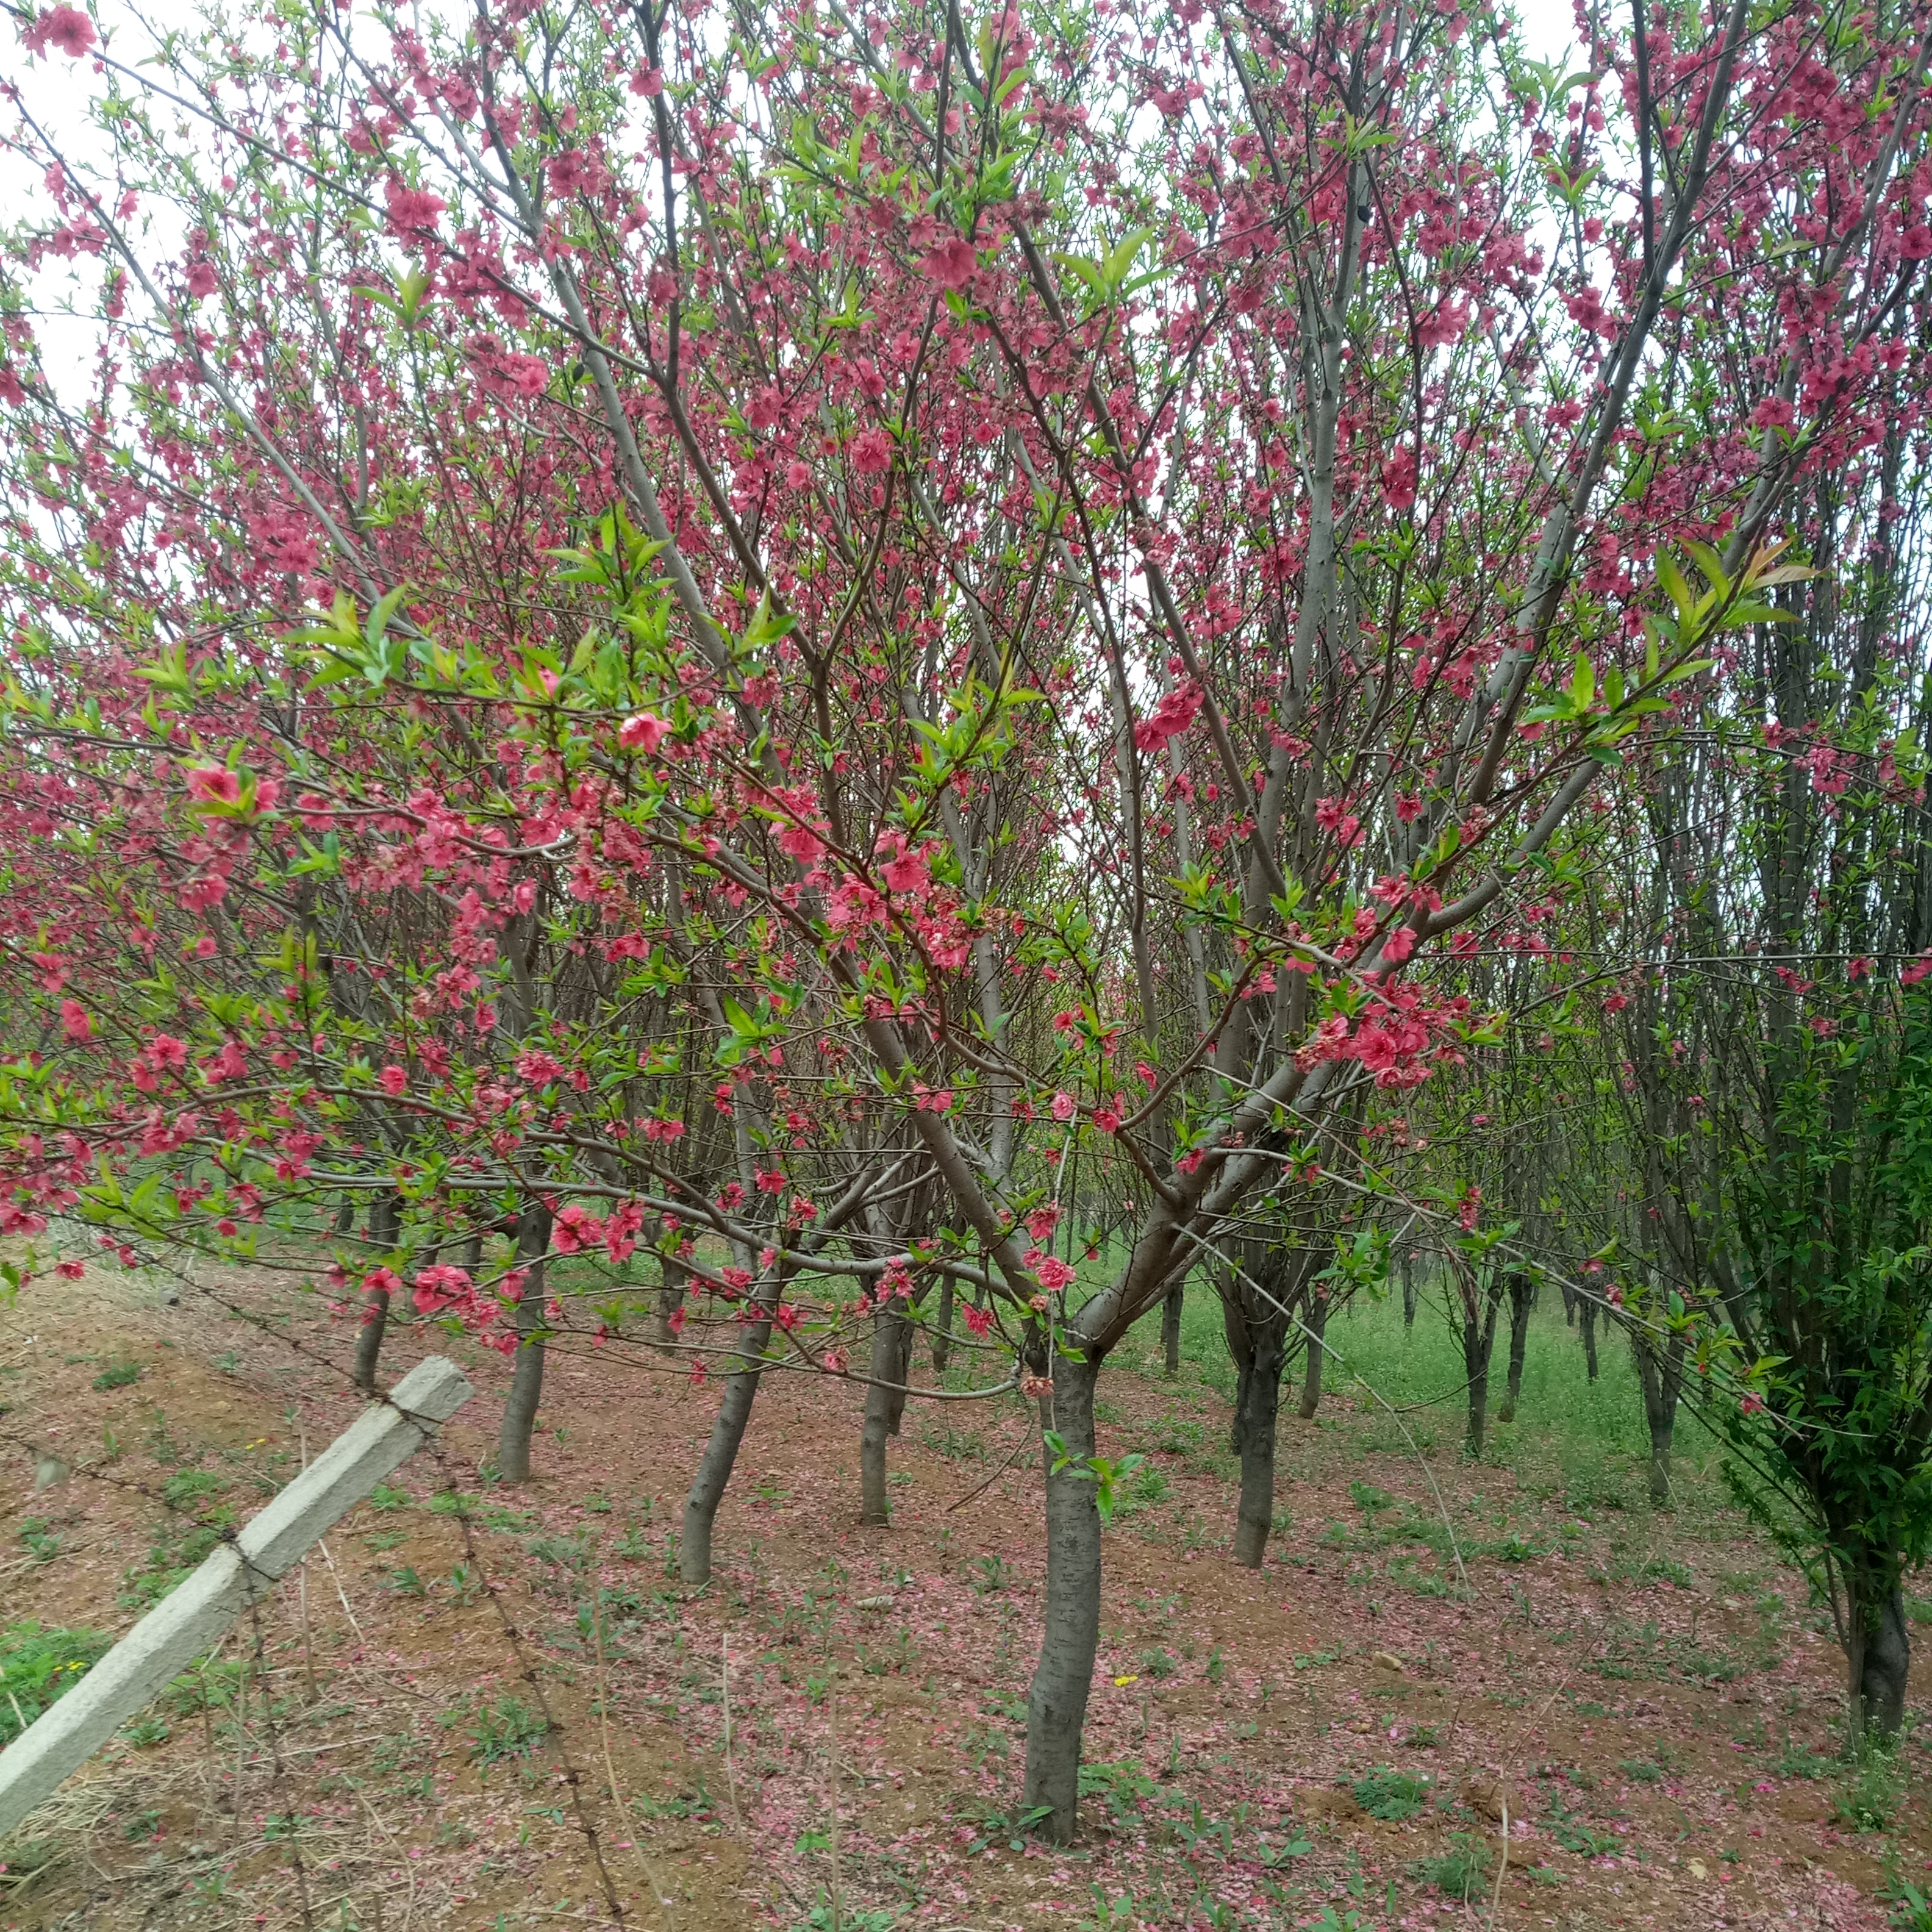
504, 1728
1391, 1796
1586, 1440
1123, 1786
36, 1533
38, 1665
1174, 1434
1145, 1488
1157, 1664
1514, 1550
994, 1575
1462, 1872
957, 1445
1797, 1760
186, 1487
174, 1556
118, 1375
1874, 1787
387, 1496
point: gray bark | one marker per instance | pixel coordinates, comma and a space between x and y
1316, 1321
1479, 1341
942, 1328
892, 1353
1522, 1297
728, 1433
1261, 1393
1879, 1655
1056, 1703
386, 1219
671, 1287
520, 1412
1659, 1374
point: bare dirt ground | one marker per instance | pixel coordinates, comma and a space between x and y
1329, 1742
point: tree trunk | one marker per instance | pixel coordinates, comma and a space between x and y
1479, 1341
1408, 1292
385, 1219
721, 1452
1586, 1318
892, 1350
1879, 1654
1316, 1322
1240, 1339
1570, 1300
520, 1412
942, 1332
1170, 1329
1661, 1378
472, 1254
1255, 1515
671, 1286
345, 1214
1056, 1702
1520, 1299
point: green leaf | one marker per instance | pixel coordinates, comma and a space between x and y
1582, 683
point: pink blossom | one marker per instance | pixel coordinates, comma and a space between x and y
1064, 1103
644, 733
1399, 474
436, 1287
951, 264
413, 211
213, 784
1052, 1273
872, 452
1174, 714
66, 28
908, 872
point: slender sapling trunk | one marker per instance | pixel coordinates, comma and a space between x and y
1316, 1321
1522, 1297
520, 1412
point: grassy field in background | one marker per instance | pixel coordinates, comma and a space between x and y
1587, 1439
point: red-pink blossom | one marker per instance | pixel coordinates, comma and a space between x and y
643, 733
